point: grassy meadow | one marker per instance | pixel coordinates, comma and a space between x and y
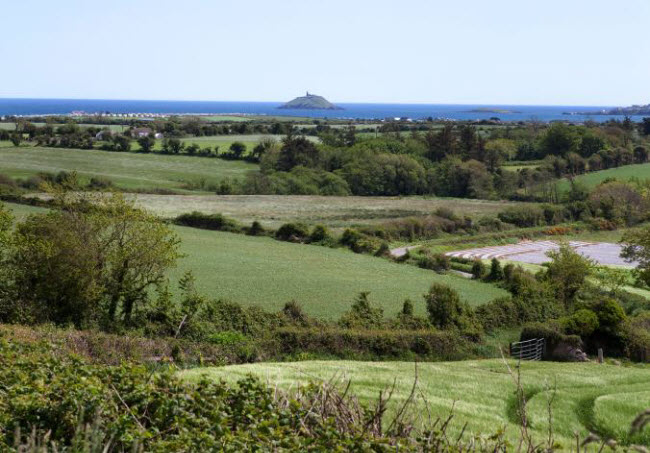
128, 171
268, 273
265, 272
274, 210
588, 396
625, 173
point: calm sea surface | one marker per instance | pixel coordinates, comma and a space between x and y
361, 111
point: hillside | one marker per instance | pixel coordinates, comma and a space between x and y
268, 273
310, 102
481, 393
127, 170
624, 173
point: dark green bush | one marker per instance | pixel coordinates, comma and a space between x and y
478, 270
438, 262
582, 323
255, 229
527, 216
208, 222
320, 234
554, 338
294, 232
358, 242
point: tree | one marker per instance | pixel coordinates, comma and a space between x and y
640, 154
567, 273
618, 202
559, 140
636, 249
407, 308
192, 149
478, 269
146, 143
237, 149
122, 142
173, 145
496, 273
590, 144
362, 314
444, 306
611, 278
645, 126
265, 145
93, 260
16, 138
296, 151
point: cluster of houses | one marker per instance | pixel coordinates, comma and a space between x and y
135, 133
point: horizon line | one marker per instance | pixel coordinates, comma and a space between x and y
334, 102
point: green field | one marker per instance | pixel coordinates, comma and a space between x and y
265, 272
625, 173
268, 273
232, 118
602, 398
126, 170
274, 210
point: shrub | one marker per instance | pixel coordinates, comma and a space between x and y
407, 308
293, 232
438, 262
383, 250
255, 229
582, 323
496, 273
478, 269
528, 216
293, 310
362, 314
446, 310
358, 242
554, 339
319, 234
216, 222
610, 315
98, 183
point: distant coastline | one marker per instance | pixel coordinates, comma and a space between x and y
380, 112
633, 110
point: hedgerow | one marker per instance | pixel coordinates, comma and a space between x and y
70, 405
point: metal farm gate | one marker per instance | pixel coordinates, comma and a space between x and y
529, 349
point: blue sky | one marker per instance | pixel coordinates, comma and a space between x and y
571, 52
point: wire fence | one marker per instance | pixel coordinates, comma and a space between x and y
529, 349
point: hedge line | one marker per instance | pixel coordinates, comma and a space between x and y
346, 343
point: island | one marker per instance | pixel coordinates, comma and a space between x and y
631, 110
310, 102
492, 110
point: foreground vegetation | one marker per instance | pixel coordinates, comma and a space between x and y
481, 393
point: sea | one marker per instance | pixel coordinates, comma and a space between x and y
544, 113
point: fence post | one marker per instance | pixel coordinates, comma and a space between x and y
600, 355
